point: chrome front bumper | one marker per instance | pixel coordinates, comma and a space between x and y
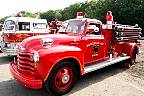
9, 48
9, 51
25, 79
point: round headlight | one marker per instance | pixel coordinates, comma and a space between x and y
35, 57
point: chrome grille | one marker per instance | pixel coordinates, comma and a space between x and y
25, 62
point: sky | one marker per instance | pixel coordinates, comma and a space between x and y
9, 7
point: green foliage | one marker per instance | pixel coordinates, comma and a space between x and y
51, 15
70, 12
127, 11
28, 14
3, 19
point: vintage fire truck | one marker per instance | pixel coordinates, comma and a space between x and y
82, 45
16, 29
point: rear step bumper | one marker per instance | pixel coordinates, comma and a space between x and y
108, 62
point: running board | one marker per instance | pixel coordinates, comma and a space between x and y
108, 62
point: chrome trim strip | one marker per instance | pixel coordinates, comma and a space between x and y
108, 62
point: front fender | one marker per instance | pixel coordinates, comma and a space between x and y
49, 57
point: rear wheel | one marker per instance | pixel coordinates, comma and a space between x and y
62, 78
130, 62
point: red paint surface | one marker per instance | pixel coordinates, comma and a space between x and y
18, 37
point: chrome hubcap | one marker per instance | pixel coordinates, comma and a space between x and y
65, 79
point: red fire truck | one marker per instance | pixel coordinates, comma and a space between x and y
18, 28
82, 45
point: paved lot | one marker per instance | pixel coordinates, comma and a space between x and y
110, 81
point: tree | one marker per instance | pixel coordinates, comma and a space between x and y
51, 15
4, 18
127, 11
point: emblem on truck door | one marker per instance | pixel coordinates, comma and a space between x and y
95, 48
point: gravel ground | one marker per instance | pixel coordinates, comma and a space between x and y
109, 81
138, 69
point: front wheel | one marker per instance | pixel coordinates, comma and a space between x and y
62, 78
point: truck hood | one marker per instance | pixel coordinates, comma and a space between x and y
34, 43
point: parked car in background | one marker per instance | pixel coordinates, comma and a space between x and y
16, 29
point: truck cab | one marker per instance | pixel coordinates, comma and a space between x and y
16, 29
82, 45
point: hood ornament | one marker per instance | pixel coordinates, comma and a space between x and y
46, 41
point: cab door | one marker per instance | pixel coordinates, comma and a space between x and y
94, 45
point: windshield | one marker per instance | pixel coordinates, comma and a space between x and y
39, 25
9, 25
24, 26
74, 26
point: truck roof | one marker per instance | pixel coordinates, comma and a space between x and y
88, 20
93, 21
27, 19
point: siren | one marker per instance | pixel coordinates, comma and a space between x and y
80, 15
